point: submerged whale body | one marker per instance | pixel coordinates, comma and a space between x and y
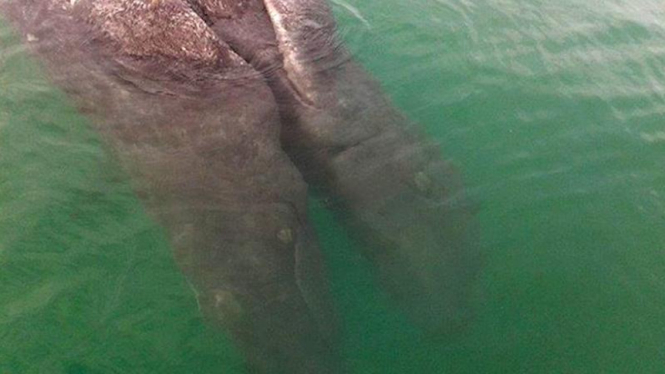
224, 113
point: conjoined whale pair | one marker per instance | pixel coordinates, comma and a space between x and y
225, 112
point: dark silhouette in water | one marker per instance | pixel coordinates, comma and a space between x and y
221, 110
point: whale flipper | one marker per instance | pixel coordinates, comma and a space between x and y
389, 184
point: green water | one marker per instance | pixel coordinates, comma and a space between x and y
554, 111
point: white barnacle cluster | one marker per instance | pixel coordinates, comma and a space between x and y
221, 8
63, 4
197, 40
227, 305
112, 17
285, 235
155, 28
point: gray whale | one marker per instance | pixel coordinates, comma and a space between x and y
225, 113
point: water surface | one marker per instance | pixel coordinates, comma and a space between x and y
552, 110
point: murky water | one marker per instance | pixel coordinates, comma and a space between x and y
552, 110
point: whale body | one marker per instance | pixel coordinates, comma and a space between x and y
225, 113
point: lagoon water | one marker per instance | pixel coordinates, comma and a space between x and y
553, 110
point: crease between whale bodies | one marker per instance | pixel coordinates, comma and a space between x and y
221, 113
